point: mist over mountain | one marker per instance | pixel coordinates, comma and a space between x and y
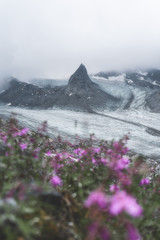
45, 39
102, 91
79, 94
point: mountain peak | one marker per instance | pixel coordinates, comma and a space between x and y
79, 80
81, 72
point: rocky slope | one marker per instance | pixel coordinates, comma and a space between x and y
105, 90
79, 94
143, 87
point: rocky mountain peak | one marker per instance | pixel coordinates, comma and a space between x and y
80, 73
79, 80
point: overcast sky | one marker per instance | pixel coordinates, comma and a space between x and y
50, 38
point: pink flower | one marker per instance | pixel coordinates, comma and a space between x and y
56, 181
23, 146
96, 150
104, 234
94, 161
109, 151
76, 151
124, 179
122, 163
24, 131
121, 201
132, 233
96, 197
93, 229
49, 154
36, 152
104, 161
6, 154
80, 152
4, 138
144, 181
114, 188
125, 150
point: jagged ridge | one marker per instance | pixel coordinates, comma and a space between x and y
79, 94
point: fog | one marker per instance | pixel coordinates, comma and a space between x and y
50, 38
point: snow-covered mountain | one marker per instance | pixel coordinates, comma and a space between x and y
120, 103
138, 89
102, 91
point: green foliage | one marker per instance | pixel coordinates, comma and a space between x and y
34, 206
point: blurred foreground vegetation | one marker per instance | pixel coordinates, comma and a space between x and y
92, 189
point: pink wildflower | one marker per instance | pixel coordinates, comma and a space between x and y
122, 163
96, 197
121, 201
96, 150
49, 154
94, 161
114, 188
132, 233
36, 152
95, 230
92, 230
24, 131
124, 179
6, 154
104, 161
109, 151
4, 138
23, 146
80, 152
76, 151
125, 150
144, 181
83, 153
56, 181
104, 234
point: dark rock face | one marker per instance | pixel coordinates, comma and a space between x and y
140, 80
154, 75
107, 74
128, 104
79, 82
28, 95
82, 94
153, 102
81, 91
146, 83
79, 94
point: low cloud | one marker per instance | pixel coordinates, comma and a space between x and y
51, 38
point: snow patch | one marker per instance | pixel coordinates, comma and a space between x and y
154, 83
142, 73
99, 78
129, 81
120, 78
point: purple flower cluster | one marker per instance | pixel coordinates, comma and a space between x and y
121, 201
22, 132
56, 181
98, 198
144, 181
23, 146
117, 203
